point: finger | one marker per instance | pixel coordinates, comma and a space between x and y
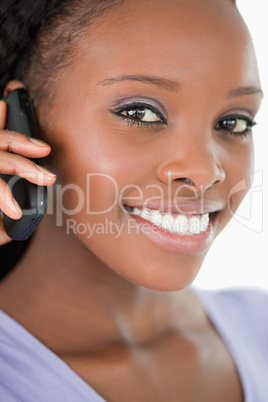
7, 202
17, 165
3, 113
4, 238
11, 141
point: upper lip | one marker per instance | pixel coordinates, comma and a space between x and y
181, 206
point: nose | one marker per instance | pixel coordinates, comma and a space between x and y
198, 168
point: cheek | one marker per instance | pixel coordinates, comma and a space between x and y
98, 161
239, 171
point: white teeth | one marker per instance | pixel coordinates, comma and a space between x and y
156, 218
137, 211
168, 222
181, 224
204, 222
177, 223
145, 214
195, 225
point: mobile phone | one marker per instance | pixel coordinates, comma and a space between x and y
31, 197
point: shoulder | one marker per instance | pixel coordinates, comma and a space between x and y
29, 371
240, 317
247, 299
243, 310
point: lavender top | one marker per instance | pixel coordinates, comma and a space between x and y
31, 372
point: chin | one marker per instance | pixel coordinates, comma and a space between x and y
167, 277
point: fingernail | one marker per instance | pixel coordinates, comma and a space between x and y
38, 142
46, 171
17, 206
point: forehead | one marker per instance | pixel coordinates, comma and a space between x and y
174, 33
202, 43
144, 22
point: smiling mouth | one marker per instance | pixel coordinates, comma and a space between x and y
187, 224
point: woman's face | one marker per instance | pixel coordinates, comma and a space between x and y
156, 111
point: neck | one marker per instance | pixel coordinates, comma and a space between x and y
65, 293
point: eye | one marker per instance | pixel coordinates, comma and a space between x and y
235, 124
141, 114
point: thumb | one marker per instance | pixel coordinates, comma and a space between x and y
3, 114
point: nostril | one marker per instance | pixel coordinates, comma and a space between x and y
185, 180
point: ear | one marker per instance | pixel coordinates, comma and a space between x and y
12, 85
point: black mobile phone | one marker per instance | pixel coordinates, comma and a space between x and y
31, 197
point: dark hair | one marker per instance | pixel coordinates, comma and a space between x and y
37, 39
10, 254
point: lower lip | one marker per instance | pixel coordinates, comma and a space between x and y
191, 244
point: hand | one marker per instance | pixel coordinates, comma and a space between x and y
16, 163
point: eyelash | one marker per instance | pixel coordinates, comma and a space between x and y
142, 124
235, 117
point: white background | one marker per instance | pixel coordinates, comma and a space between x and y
239, 256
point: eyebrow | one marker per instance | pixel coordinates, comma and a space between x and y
174, 86
165, 83
243, 91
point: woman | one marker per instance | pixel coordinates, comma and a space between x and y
148, 108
